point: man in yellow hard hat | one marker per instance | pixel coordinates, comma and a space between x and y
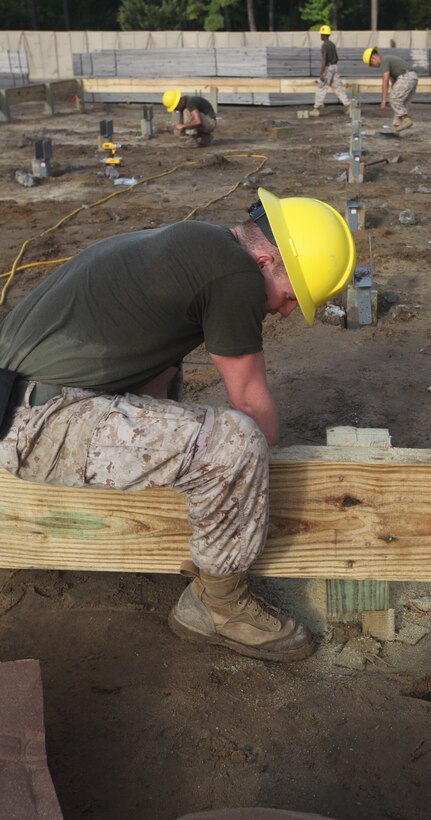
88, 358
395, 72
197, 116
329, 75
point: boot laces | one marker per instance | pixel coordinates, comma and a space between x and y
259, 607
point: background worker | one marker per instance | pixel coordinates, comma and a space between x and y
85, 354
329, 75
396, 72
197, 116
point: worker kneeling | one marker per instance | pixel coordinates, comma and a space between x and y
197, 118
88, 359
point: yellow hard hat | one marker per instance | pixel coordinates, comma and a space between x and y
368, 53
316, 246
171, 99
325, 30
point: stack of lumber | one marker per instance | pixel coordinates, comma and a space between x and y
241, 62
289, 62
250, 69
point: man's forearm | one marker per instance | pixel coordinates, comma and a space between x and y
385, 86
264, 413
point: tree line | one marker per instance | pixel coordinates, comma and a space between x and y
211, 15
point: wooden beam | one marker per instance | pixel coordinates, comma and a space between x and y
227, 85
230, 85
349, 513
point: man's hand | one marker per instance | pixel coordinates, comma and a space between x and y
247, 389
383, 105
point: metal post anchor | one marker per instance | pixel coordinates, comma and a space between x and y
147, 122
41, 164
361, 299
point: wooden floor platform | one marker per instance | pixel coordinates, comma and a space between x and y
231, 91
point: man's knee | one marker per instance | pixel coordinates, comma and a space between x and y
237, 427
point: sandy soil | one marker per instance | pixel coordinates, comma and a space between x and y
140, 725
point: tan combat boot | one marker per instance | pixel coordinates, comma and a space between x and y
405, 122
204, 139
315, 112
220, 609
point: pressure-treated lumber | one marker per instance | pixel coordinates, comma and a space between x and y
234, 90
335, 512
231, 85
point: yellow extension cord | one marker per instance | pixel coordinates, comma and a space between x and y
9, 275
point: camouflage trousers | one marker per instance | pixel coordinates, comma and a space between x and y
206, 126
401, 93
216, 457
331, 79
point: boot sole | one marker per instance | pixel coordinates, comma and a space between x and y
287, 656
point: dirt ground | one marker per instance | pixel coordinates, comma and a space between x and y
139, 724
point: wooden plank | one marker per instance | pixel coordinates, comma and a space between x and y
230, 85
348, 513
379, 624
232, 90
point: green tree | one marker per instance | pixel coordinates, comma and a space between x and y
420, 14
153, 15
317, 12
211, 15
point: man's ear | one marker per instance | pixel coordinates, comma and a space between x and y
264, 259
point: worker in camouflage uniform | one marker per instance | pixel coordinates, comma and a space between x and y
197, 116
88, 358
329, 75
396, 73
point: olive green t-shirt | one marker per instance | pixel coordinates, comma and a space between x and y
194, 102
395, 65
329, 52
126, 308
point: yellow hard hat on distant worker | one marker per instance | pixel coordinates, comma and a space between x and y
368, 53
325, 30
171, 99
316, 246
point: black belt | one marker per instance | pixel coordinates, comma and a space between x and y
12, 394
41, 393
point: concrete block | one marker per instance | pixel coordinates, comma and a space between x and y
281, 132
348, 436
